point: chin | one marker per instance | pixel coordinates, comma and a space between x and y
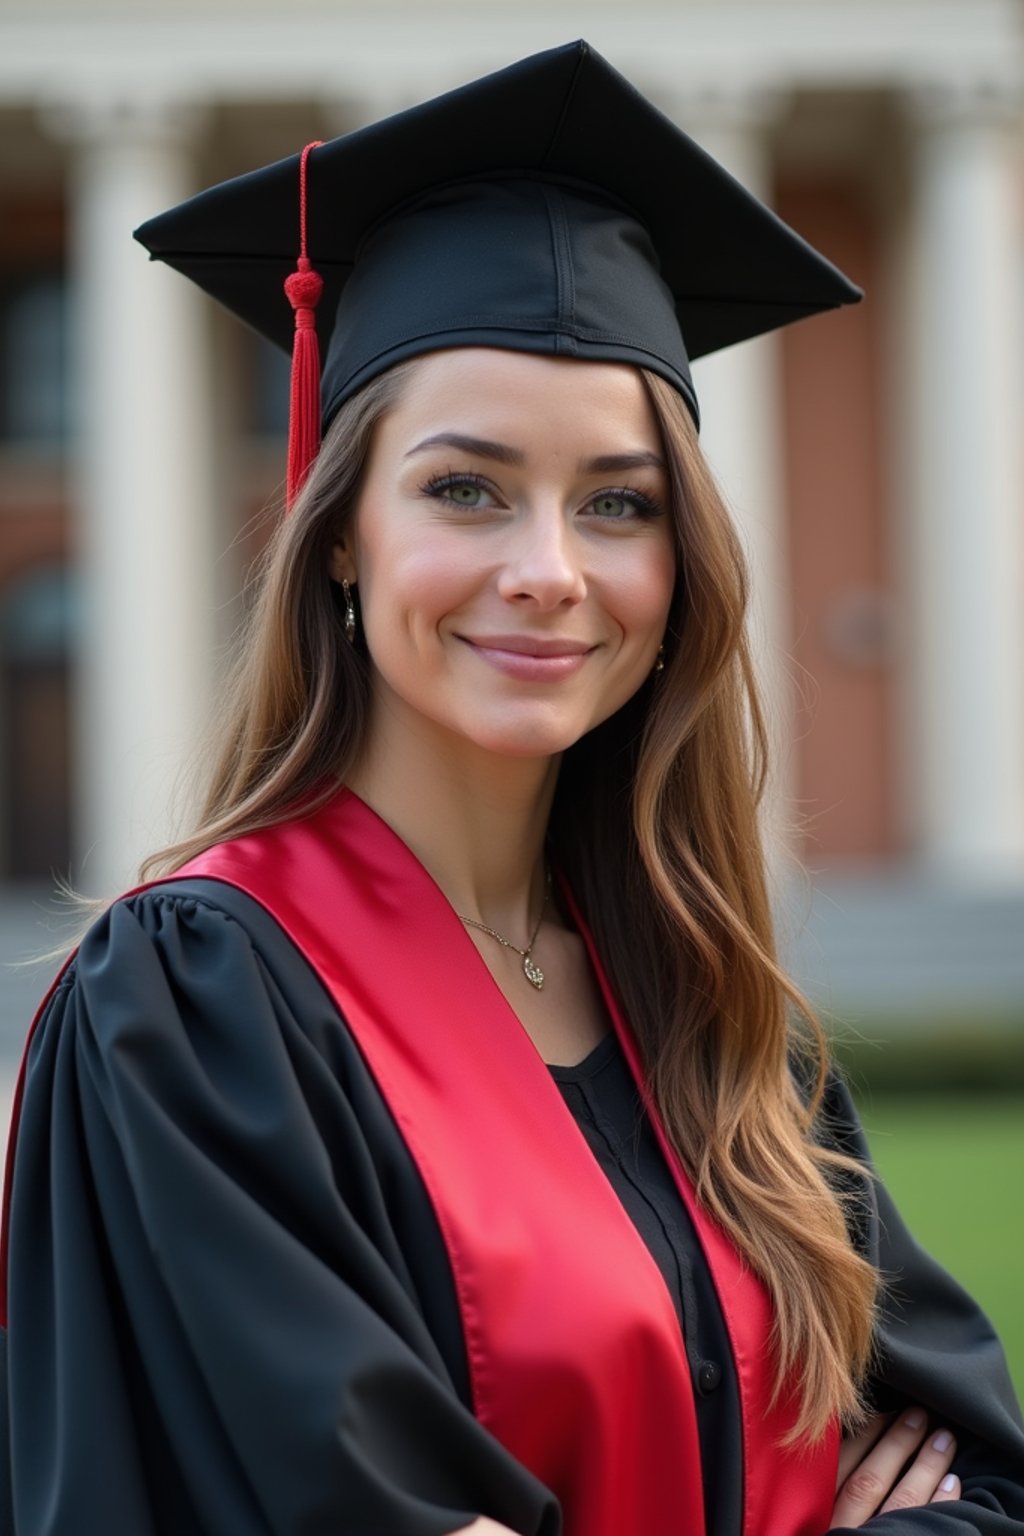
525, 738
527, 745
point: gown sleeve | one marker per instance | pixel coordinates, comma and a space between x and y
937, 1349
213, 1328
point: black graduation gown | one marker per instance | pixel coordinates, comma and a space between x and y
232, 1311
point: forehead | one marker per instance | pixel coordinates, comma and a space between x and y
516, 398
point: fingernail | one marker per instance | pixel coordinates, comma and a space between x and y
948, 1483
914, 1419
943, 1440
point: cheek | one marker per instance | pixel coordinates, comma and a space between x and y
643, 589
409, 584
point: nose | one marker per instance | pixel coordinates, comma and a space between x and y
544, 562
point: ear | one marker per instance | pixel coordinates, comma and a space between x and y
340, 566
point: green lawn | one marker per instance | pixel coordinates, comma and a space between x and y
955, 1167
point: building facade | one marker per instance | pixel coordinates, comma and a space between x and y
873, 459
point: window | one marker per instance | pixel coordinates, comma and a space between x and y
38, 621
34, 373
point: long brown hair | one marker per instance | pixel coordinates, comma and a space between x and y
655, 823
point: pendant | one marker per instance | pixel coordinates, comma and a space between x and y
533, 972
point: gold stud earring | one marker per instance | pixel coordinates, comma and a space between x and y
659, 661
350, 614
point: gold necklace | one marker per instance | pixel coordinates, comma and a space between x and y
531, 970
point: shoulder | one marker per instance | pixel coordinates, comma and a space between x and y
836, 1122
182, 931
187, 1013
192, 965
202, 906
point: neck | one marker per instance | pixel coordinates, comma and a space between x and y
475, 820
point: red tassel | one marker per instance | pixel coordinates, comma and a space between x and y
303, 287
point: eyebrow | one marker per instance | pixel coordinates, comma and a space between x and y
480, 446
613, 463
502, 453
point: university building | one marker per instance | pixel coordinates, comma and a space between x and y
874, 458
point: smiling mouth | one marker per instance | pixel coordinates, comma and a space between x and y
528, 645
528, 658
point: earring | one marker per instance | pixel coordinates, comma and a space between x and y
350, 614
659, 661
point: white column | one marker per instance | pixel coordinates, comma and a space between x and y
142, 493
965, 561
740, 434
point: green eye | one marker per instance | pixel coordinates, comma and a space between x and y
612, 506
459, 491
626, 505
466, 494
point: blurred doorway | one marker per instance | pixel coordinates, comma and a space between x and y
36, 622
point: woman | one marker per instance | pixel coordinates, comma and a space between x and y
303, 1237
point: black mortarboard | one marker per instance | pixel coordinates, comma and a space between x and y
546, 208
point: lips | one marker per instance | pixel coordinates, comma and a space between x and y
528, 645
530, 658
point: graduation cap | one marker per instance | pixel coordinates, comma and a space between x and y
546, 208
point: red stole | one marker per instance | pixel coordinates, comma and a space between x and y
576, 1359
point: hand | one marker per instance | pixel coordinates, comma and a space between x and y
482, 1526
871, 1463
